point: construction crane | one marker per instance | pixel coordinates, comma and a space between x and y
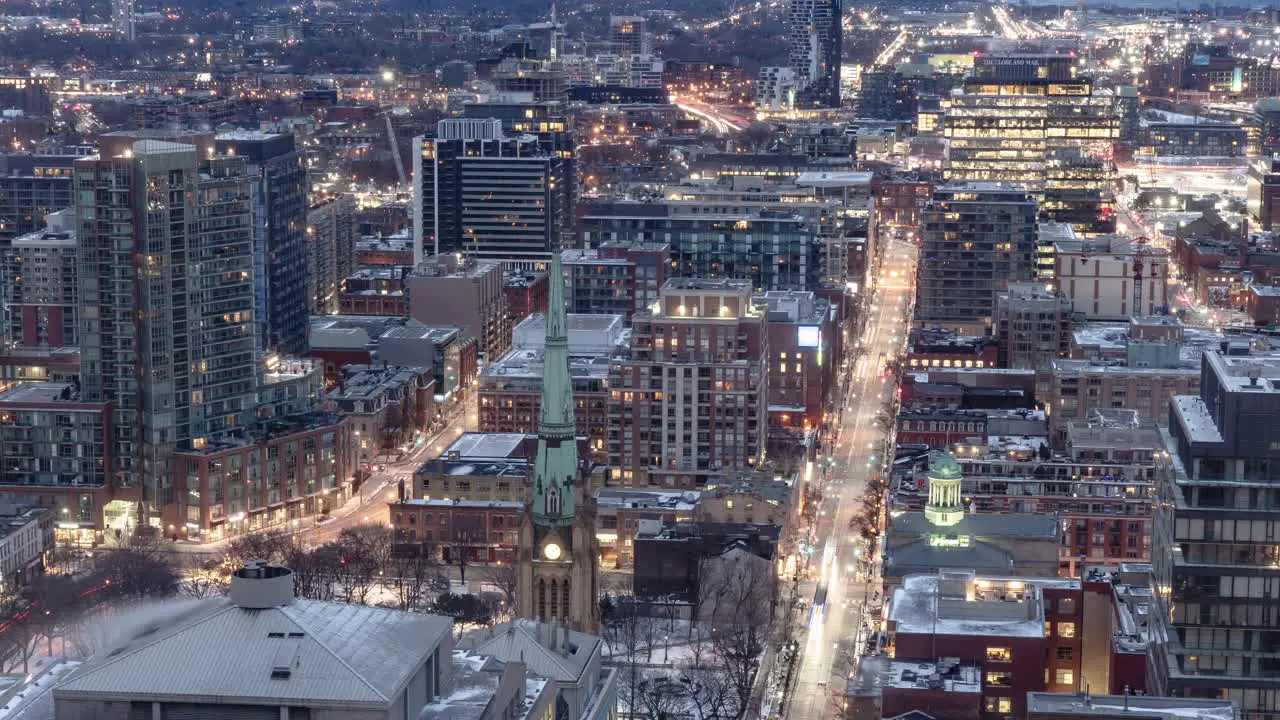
395, 147
1139, 264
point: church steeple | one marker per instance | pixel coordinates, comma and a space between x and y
558, 571
555, 468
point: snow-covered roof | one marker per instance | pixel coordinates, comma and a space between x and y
1195, 418
337, 654
1149, 707
549, 651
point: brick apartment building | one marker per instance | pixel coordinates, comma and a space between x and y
1027, 634
283, 474
690, 402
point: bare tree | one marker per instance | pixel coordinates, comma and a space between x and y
411, 579
273, 547
505, 577
21, 635
55, 604
739, 600
312, 574
134, 574
710, 693
364, 554
660, 696
210, 579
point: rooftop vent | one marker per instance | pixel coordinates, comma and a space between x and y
259, 585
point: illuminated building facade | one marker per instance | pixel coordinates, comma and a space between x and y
772, 250
490, 194
690, 403
1031, 120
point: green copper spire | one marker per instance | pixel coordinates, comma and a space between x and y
555, 468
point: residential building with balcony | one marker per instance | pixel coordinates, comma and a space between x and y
690, 402
1215, 550
40, 287
615, 278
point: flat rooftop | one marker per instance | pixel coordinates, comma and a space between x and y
487, 445
1254, 374
39, 392
527, 363
479, 467
957, 603
640, 499
1137, 707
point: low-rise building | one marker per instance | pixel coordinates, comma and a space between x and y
26, 541
620, 512
387, 406
1123, 706
1101, 487
942, 429
569, 663
668, 557
1077, 388
948, 535
55, 452
887, 688
342, 340
374, 290
1028, 634
933, 347
265, 653
458, 532
279, 473
750, 499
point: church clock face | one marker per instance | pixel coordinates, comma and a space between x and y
551, 551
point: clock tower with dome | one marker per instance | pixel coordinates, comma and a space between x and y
559, 556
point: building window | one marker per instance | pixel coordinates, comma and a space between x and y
999, 654
998, 704
1067, 606
1066, 629
1001, 679
1065, 677
1066, 652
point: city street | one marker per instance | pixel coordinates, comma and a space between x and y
370, 505
834, 637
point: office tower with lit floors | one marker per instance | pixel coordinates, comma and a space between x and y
166, 300
815, 38
1031, 119
491, 194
